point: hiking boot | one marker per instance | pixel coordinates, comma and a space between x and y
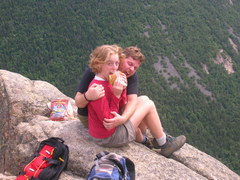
148, 144
172, 144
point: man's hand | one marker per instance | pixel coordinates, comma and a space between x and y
114, 122
94, 92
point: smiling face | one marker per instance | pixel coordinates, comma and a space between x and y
105, 59
109, 67
129, 66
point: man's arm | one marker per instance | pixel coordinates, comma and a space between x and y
94, 92
80, 101
130, 107
127, 113
91, 93
131, 98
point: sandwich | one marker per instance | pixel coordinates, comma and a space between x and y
114, 76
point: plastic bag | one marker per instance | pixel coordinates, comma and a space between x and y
61, 109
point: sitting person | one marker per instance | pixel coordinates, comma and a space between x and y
104, 61
133, 60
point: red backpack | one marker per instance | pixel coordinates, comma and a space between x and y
48, 161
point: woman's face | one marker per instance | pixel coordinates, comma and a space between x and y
110, 66
129, 66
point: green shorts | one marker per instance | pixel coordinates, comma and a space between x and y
84, 120
123, 134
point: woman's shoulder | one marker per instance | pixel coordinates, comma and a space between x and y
96, 81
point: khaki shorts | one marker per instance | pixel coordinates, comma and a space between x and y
124, 134
84, 120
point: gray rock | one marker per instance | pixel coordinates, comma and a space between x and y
24, 124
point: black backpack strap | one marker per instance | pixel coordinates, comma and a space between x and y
53, 161
101, 154
59, 161
58, 139
131, 168
64, 163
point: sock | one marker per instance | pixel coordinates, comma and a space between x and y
144, 139
162, 140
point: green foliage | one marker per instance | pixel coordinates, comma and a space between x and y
51, 40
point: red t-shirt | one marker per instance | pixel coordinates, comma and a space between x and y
102, 108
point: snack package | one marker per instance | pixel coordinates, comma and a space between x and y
113, 77
61, 109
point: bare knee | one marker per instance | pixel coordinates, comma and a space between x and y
142, 98
144, 101
149, 103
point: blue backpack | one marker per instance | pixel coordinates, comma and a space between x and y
112, 166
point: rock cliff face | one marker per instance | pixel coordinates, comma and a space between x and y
24, 124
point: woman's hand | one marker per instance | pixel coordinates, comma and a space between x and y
119, 85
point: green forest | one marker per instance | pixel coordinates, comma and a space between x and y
51, 40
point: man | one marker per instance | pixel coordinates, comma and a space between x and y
134, 59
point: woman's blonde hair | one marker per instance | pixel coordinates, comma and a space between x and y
101, 54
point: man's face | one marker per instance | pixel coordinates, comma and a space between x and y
129, 66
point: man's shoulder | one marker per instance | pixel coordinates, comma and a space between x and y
89, 71
134, 77
88, 74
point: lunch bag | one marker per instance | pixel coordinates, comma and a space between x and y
48, 161
60, 109
112, 166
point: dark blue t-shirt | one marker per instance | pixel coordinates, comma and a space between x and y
88, 76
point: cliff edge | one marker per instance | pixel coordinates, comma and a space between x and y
24, 123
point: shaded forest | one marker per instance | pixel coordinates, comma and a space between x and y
51, 40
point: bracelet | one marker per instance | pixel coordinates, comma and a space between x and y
84, 94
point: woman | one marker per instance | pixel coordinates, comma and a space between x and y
104, 61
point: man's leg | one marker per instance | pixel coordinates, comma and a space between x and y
146, 114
